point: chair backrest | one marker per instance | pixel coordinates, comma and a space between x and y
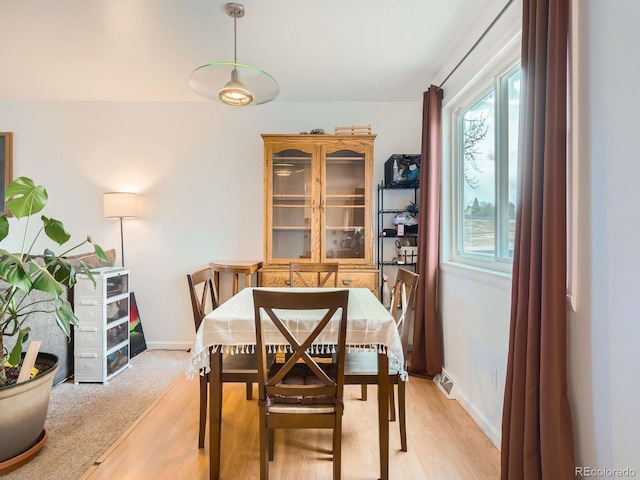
402, 303
204, 294
318, 387
324, 272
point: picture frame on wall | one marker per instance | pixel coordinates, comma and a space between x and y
6, 164
136, 335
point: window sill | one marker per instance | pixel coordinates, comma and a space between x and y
501, 280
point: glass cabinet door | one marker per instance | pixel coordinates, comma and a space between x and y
292, 201
343, 204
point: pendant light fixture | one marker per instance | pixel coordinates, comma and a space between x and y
234, 83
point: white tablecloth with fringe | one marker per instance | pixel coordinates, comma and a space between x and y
231, 327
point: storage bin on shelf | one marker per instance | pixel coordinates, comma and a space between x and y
407, 255
406, 168
406, 251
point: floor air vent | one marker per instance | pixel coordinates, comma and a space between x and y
446, 384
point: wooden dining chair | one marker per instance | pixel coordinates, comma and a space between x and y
326, 274
240, 368
361, 367
322, 275
300, 393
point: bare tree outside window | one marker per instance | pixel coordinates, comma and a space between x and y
473, 136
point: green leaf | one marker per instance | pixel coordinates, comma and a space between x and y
26, 197
61, 269
4, 227
65, 317
13, 271
99, 251
16, 353
55, 230
45, 282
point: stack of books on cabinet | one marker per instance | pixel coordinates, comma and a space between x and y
101, 341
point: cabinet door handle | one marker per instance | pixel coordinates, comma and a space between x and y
287, 281
346, 281
322, 205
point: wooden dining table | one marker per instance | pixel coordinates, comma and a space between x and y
231, 329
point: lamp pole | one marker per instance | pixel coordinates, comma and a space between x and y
121, 242
120, 205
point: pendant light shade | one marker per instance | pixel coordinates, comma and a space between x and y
234, 83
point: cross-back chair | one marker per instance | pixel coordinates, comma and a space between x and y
326, 274
235, 368
361, 367
300, 393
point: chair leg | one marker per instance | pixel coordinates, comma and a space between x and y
402, 413
392, 403
204, 382
272, 443
249, 390
264, 445
337, 447
363, 392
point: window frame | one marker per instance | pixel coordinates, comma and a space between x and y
495, 80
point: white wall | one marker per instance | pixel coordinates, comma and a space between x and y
604, 332
198, 170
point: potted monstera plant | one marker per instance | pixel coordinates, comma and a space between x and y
30, 284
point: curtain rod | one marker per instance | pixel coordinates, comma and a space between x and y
476, 44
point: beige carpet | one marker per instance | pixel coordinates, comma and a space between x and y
85, 419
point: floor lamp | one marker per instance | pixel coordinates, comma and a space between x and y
120, 205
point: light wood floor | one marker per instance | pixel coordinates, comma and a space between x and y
444, 443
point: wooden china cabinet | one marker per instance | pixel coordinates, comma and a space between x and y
318, 206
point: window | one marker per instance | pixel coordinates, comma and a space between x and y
485, 132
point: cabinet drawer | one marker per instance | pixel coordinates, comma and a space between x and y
359, 280
101, 287
88, 341
273, 279
117, 360
117, 334
90, 315
347, 278
88, 368
99, 314
86, 289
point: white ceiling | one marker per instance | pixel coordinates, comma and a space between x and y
317, 50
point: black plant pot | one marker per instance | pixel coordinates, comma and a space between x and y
23, 411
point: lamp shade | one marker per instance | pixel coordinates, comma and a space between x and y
119, 204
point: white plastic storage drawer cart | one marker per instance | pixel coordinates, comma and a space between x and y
101, 341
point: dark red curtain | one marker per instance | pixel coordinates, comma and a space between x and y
426, 358
537, 432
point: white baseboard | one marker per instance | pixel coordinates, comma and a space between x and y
494, 435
